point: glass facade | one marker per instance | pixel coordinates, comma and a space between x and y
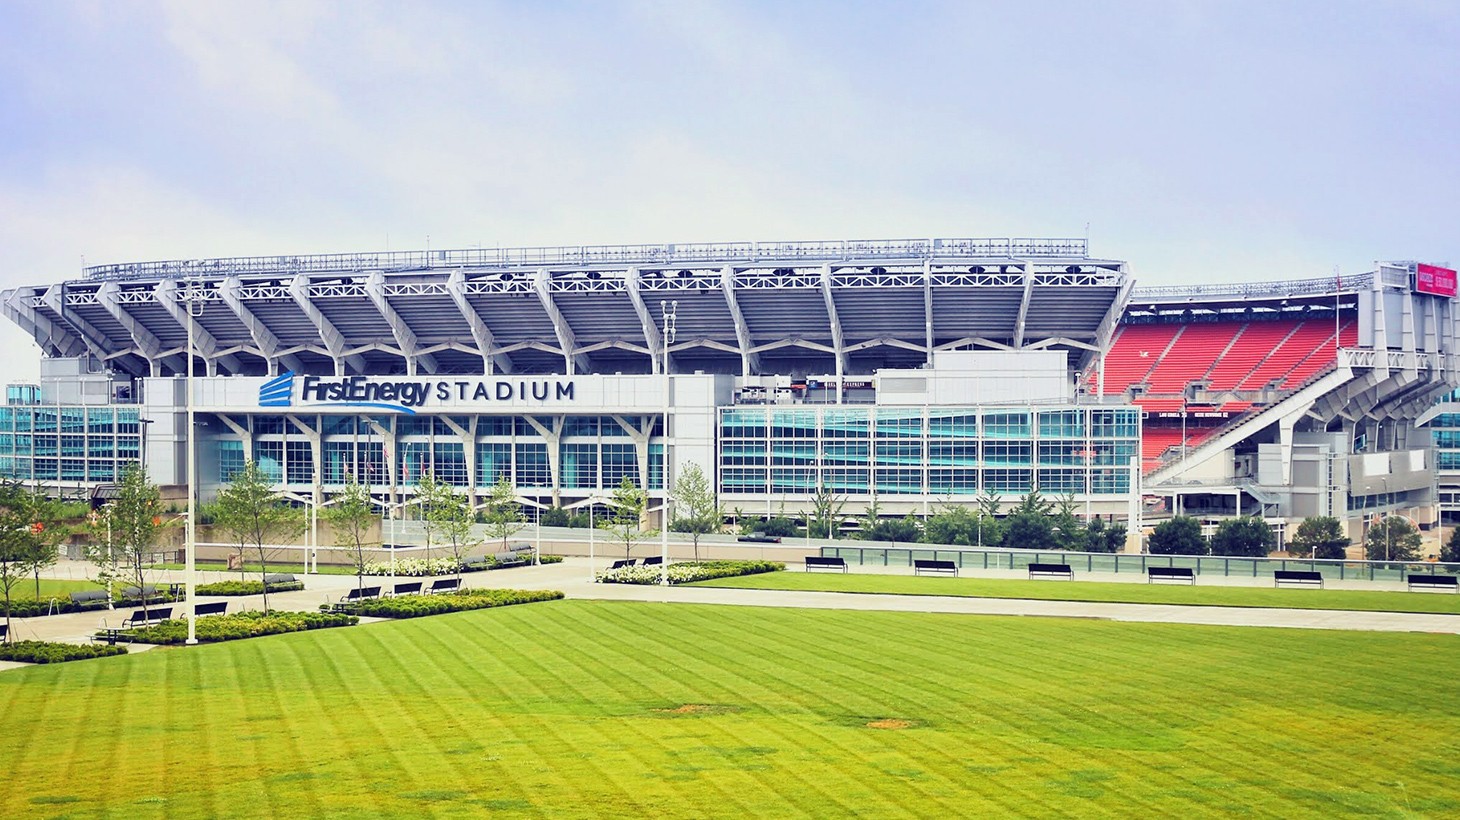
940, 451
68, 444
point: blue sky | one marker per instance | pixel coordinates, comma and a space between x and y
1198, 141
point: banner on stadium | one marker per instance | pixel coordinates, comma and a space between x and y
1435, 280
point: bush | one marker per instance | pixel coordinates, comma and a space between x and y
213, 628
246, 588
414, 567
415, 606
1177, 536
48, 652
687, 572
550, 559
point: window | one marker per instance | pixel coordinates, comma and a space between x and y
904, 453
532, 465
230, 459
269, 456
742, 480
792, 453
844, 424
338, 456
619, 462
1061, 423
1008, 482
494, 460
743, 454
795, 480
582, 426
656, 466
793, 424
1006, 425
449, 463
496, 426
952, 454
414, 461
899, 480
899, 423
952, 424
845, 481
299, 457
1000, 453
268, 425
1109, 482
1071, 453
580, 466
101, 420
845, 454
743, 423
1115, 423
1062, 481
958, 481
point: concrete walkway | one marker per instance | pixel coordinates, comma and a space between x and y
573, 578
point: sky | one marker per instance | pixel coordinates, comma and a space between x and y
1198, 141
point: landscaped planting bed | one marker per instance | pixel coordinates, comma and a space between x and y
247, 588
426, 567
51, 652
686, 572
414, 606
213, 628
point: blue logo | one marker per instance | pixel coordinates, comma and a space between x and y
278, 391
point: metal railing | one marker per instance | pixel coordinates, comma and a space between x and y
669, 255
975, 558
1289, 287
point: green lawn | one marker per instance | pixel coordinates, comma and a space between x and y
1137, 593
50, 587
585, 708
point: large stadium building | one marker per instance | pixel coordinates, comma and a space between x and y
909, 373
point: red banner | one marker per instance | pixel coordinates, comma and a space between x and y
1434, 279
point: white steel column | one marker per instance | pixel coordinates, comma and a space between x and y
405, 337
749, 361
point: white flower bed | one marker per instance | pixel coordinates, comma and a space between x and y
413, 566
685, 572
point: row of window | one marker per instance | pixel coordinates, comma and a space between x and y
905, 422
916, 481
62, 469
421, 425
102, 420
525, 464
760, 453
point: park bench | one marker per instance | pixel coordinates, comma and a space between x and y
512, 558
1437, 583
360, 594
1154, 574
111, 635
1051, 571
819, 562
653, 560
210, 608
407, 588
4, 631
444, 585
923, 565
623, 562
760, 538
135, 593
89, 599
282, 582
146, 617
1295, 577
476, 563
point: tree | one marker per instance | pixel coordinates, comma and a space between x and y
351, 517
449, 514
1026, 530
1451, 552
1102, 537
1246, 535
1393, 538
133, 523
554, 517
1320, 537
428, 494
257, 517
951, 524
826, 513
697, 510
22, 546
892, 529
1180, 535
626, 507
48, 531
503, 514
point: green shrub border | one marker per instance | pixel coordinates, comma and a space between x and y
416, 606
52, 652
215, 628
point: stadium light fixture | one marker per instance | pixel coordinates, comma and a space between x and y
669, 310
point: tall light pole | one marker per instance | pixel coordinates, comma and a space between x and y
669, 310
190, 545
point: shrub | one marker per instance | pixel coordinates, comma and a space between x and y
213, 628
550, 559
415, 567
247, 588
415, 606
49, 652
687, 572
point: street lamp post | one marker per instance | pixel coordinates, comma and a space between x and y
669, 310
190, 545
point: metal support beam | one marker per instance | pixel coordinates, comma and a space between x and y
334, 341
53, 339
146, 341
928, 309
492, 360
573, 361
405, 337
652, 336
95, 340
1024, 307
170, 296
263, 338
749, 361
838, 342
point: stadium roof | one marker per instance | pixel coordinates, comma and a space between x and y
785, 308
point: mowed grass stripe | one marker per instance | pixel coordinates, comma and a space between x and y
779, 644
1133, 592
1026, 716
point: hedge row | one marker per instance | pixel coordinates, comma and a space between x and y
426, 567
415, 606
212, 628
30, 608
246, 588
49, 652
687, 572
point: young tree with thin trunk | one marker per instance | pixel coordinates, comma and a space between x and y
133, 523
503, 513
451, 517
428, 495
351, 517
826, 513
626, 507
21, 544
257, 517
698, 510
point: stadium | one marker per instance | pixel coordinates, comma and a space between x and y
906, 373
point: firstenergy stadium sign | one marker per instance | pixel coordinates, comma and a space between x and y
408, 395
